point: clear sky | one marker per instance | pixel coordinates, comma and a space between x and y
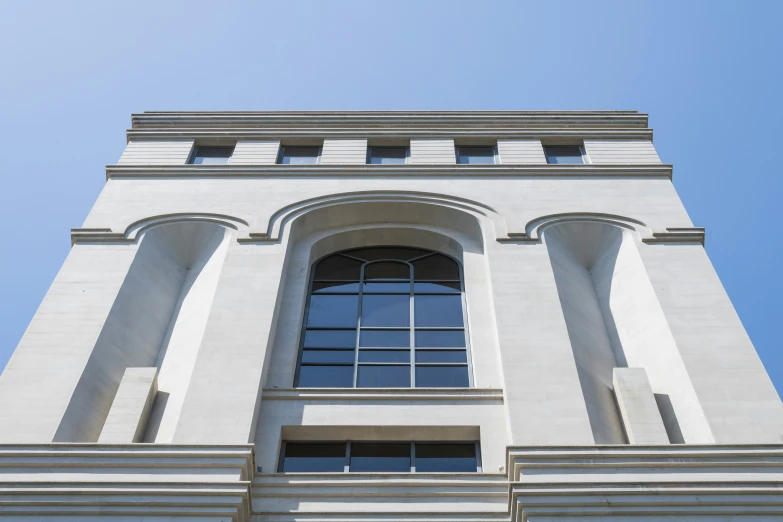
708, 73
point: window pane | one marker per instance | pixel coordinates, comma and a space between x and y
401, 253
325, 377
333, 310
440, 338
337, 268
437, 310
384, 270
385, 338
563, 154
436, 268
300, 155
437, 288
330, 339
328, 356
385, 310
387, 288
332, 287
389, 458
476, 155
442, 377
441, 356
212, 155
384, 377
384, 356
387, 155
431, 458
319, 457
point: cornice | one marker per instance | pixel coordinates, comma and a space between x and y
452, 131
387, 119
387, 171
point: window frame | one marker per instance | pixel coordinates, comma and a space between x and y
407, 148
582, 151
411, 328
495, 155
281, 154
347, 460
194, 154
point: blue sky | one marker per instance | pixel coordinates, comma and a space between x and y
708, 73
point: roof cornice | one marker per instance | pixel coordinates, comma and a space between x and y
387, 171
390, 120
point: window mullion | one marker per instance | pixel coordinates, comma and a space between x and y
358, 327
347, 465
413, 457
412, 329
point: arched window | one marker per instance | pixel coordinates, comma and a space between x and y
385, 317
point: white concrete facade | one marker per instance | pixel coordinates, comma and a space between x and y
610, 374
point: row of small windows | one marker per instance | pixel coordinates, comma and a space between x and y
386, 317
466, 155
379, 457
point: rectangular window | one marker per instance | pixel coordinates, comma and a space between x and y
563, 154
474, 155
387, 155
212, 155
299, 155
380, 457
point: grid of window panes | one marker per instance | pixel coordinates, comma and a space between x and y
299, 155
379, 457
212, 155
387, 155
475, 155
563, 154
385, 317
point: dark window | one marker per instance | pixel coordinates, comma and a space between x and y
319, 457
475, 155
299, 155
212, 155
380, 457
387, 155
453, 458
563, 154
389, 458
385, 317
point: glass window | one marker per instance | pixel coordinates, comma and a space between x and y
323, 376
212, 155
380, 457
333, 311
385, 310
387, 155
308, 457
442, 376
438, 310
366, 323
446, 457
388, 458
475, 155
299, 155
563, 154
384, 376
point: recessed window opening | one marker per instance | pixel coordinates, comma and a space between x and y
308, 155
212, 155
387, 155
380, 457
385, 317
564, 154
476, 155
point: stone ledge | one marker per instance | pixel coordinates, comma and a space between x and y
386, 394
385, 171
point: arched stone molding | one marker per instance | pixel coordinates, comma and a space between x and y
136, 229
286, 215
322, 230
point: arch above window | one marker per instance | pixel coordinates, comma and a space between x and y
385, 317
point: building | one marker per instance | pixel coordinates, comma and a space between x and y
388, 316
